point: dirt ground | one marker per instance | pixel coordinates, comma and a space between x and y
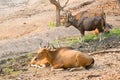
106, 67
103, 69
22, 28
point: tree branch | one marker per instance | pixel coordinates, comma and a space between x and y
105, 51
65, 4
56, 4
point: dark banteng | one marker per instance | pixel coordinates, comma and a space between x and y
88, 23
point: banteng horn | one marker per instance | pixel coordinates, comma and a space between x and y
41, 44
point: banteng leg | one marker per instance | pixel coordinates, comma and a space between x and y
57, 67
101, 36
82, 35
101, 28
75, 69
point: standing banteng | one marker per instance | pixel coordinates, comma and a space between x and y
86, 21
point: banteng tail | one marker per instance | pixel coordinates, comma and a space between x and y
89, 66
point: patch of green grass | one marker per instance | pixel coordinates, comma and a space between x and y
30, 55
16, 72
8, 70
116, 31
91, 37
51, 24
2, 62
55, 43
12, 60
88, 37
67, 41
73, 40
113, 32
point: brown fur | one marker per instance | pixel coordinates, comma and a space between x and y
96, 32
42, 62
65, 58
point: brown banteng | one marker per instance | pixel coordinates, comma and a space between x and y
65, 57
41, 63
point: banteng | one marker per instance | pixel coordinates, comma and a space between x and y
86, 21
41, 63
87, 24
64, 57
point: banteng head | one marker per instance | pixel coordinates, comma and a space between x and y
42, 53
66, 18
41, 57
39, 63
108, 27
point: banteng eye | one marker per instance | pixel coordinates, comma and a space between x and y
36, 59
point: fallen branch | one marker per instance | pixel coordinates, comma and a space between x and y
106, 51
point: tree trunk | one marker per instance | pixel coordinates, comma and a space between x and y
57, 17
58, 9
118, 3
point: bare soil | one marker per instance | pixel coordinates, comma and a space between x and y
106, 67
22, 28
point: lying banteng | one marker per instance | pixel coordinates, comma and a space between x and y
87, 24
65, 57
41, 63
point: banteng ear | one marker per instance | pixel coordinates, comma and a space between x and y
47, 45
